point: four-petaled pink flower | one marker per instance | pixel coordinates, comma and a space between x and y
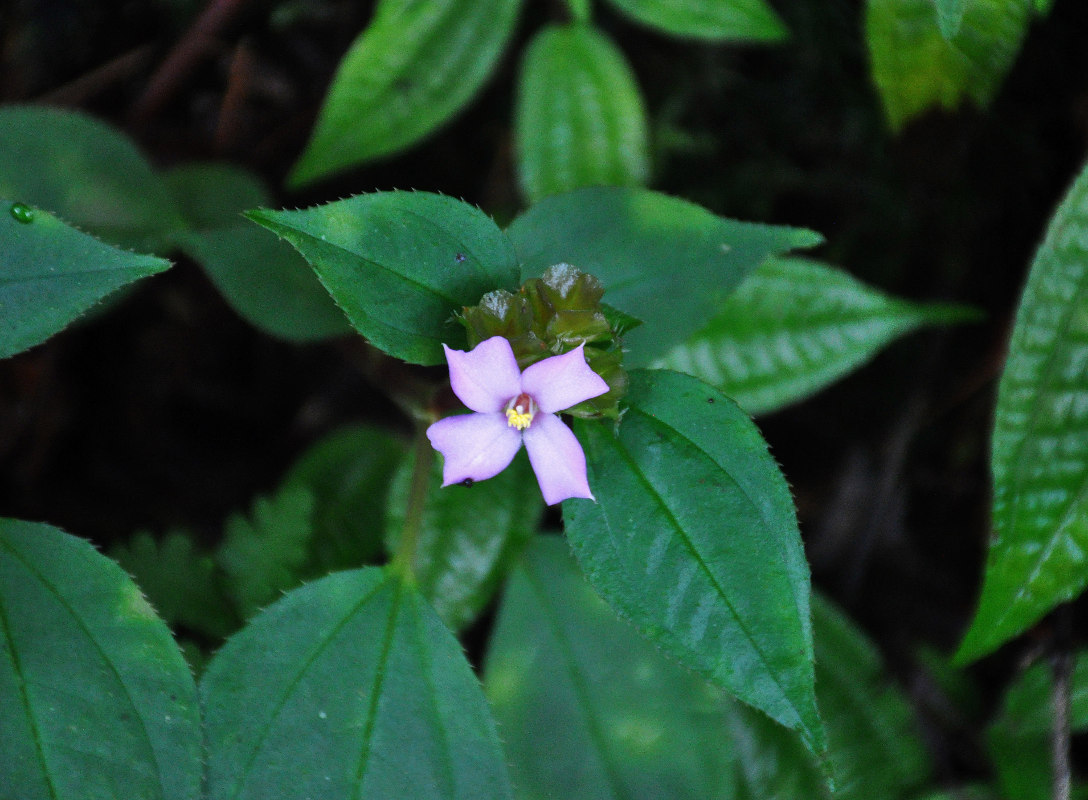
513, 407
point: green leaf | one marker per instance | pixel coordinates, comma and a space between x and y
580, 10
51, 273
267, 553
793, 327
87, 173
580, 119
713, 20
949, 17
968, 792
181, 581
262, 278
349, 687
400, 264
663, 260
587, 707
94, 694
1042, 7
916, 69
1039, 455
467, 536
348, 473
416, 65
694, 538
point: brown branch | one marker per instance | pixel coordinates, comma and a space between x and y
1061, 665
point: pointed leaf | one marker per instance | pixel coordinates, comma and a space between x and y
916, 69
416, 65
468, 535
51, 273
793, 327
349, 687
262, 278
94, 694
713, 20
1040, 443
663, 260
580, 116
590, 709
694, 538
400, 264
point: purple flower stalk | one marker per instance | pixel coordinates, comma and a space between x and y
513, 407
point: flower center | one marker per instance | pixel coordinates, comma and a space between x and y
520, 412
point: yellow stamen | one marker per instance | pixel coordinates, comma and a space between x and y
520, 412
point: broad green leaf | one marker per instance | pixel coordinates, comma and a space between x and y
350, 686
916, 69
348, 473
417, 64
694, 538
1039, 454
262, 278
580, 10
267, 553
663, 260
580, 118
1019, 738
793, 327
589, 709
467, 535
949, 17
87, 173
714, 20
400, 264
96, 701
180, 580
51, 273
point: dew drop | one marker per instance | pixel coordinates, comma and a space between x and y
22, 213
467, 482
322, 715
459, 257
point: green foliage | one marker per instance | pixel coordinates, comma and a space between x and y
88, 174
587, 707
1039, 454
265, 281
693, 537
580, 10
416, 65
467, 536
713, 20
349, 687
580, 118
949, 17
663, 260
180, 581
793, 327
915, 68
50, 274
400, 264
94, 694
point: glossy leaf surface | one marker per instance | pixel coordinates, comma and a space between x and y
87, 173
580, 117
400, 264
349, 687
590, 709
262, 278
50, 274
949, 17
468, 535
667, 262
1039, 452
94, 694
793, 327
714, 20
415, 66
694, 538
916, 69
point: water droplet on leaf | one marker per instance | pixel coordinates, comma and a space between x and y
467, 482
22, 212
459, 257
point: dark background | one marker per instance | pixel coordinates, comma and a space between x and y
169, 410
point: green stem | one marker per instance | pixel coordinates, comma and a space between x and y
423, 456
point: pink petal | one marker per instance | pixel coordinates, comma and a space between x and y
487, 377
476, 446
557, 459
562, 381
